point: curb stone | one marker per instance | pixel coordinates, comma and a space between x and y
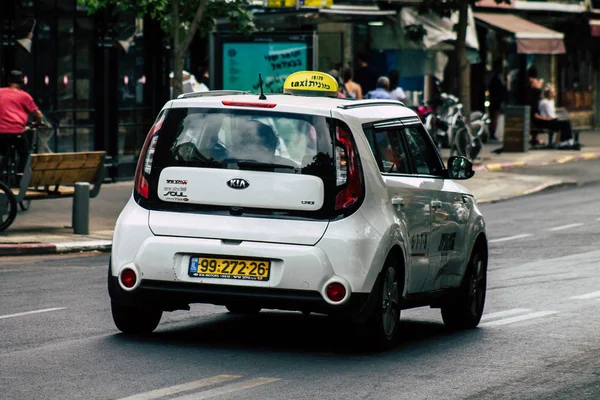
537, 189
494, 167
18, 249
90, 245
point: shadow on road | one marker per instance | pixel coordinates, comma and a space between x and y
277, 332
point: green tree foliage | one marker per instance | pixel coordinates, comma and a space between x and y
181, 20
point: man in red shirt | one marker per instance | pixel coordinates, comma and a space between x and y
15, 107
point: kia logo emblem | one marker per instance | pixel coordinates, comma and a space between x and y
238, 183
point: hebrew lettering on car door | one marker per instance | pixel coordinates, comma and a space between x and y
409, 198
428, 167
449, 213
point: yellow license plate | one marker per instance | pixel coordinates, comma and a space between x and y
229, 268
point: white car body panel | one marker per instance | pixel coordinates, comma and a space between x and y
168, 223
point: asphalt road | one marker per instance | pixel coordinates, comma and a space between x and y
538, 340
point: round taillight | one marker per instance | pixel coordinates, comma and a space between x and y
128, 278
336, 291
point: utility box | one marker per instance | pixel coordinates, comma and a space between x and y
517, 122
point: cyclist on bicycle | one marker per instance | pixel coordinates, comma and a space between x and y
16, 105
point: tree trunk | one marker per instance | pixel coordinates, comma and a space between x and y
177, 52
464, 68
180, 46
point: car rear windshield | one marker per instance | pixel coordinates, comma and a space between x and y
246, 139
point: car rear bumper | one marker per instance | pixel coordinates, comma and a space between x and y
171, 296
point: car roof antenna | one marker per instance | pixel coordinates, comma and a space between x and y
262, 95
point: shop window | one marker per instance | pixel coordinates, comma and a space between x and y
84, 75
45, 64
65, 6
85, 138
577, 74
64, 81
131, 84
44, 6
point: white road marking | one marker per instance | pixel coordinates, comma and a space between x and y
232, 387
505, 239
32, 312
560, 228
520, 318
505, 313
184, 387
586, 296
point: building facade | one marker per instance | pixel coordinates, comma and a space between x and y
98, 79
574, 71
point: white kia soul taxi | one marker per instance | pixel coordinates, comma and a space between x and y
297, 201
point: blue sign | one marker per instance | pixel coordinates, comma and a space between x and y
194, 265
242, 62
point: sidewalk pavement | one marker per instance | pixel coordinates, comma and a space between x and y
489, 161
45, 227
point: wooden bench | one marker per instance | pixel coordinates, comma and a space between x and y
561, 113
51, 176
55, 175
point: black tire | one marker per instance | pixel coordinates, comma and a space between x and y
8, 207
24, 205
134, 320
245, 309
465, 311
383, 327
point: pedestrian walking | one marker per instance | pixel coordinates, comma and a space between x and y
353, 89
342, 92
381, 92
396, 92
498, 97
364, 74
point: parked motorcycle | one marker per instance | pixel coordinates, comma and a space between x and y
480, 125
423, 111
440, 122
446, 125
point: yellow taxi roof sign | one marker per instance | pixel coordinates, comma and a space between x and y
311, 83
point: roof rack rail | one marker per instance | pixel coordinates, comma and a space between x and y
212, 93
372, 104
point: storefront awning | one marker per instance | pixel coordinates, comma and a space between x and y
285, 18
531, 38
366, 11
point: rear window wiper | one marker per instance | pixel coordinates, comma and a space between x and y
258, 164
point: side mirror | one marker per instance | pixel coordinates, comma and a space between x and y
460, 168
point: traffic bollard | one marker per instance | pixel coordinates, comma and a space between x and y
81, 209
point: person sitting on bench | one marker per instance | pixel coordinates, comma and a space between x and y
545, 118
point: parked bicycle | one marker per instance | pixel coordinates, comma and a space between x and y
8, 206
11, 159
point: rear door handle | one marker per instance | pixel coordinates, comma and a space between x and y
436, 204
397, 201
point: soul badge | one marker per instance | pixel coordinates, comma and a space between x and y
175, 190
